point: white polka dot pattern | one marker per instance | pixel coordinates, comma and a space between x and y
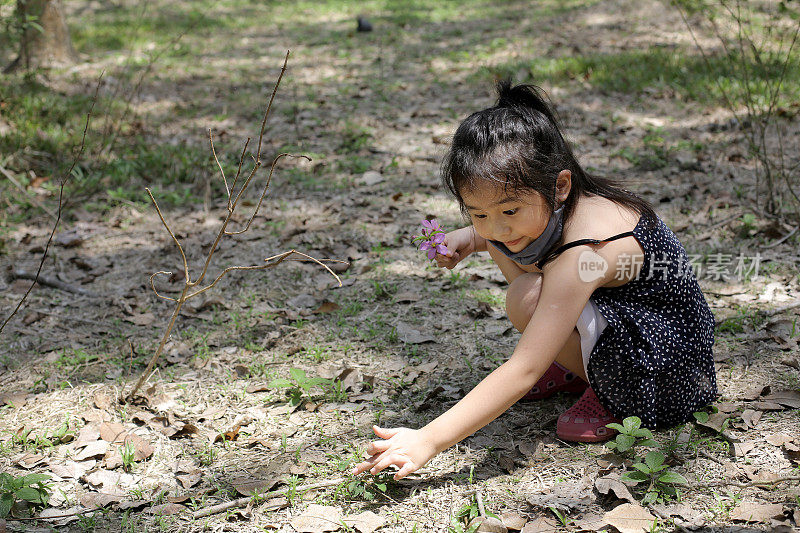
655, 360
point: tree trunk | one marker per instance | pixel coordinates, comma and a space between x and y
45, 47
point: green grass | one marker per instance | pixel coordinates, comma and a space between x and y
668, 71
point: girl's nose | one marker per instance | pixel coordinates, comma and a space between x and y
500, 230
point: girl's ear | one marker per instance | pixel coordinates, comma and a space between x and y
563, 185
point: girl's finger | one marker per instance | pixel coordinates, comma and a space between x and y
363, 467
408, 468
386, 461
377, 446
385, 433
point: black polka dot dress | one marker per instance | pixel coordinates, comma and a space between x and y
654, 359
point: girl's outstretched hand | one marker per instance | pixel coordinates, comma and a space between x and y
404, 448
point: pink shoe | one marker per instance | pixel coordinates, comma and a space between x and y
586, 421
556, 379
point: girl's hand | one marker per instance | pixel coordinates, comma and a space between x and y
405, 448
460, 243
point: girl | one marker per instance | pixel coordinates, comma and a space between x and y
600, 289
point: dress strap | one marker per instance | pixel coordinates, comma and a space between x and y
579, 242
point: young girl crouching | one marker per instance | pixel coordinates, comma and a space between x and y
600, 288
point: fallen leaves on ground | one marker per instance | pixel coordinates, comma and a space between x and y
749, 511
630, 518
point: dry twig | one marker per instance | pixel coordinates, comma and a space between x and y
214, 509
64, 180
194, 287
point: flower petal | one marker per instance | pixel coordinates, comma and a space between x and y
442, 249
437, 238
431, 254
427, 224
425, 246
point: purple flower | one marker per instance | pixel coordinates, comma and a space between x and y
432, 239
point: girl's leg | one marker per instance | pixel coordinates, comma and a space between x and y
521, 300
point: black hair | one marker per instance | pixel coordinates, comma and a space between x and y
518, 142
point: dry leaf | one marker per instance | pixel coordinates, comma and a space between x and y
566, 496
715, 421
778, 439
52, 512
612, 484
112, 432
740, 449
317, 519
409, 335
144, 319
29, 460
748, 511
98, 500
481, 524
166, 509
14, 399
102, 401
787, 398
630, 518
249, 486
514, 521
132, 504
365, 522
541, 524
326, 307
760, 475
87, 434
590, 522
95, 416
93, 450
115, 483
189, 480
751, 417
72, 470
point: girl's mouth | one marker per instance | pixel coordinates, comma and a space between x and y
513, 243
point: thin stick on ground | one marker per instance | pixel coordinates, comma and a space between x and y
64, 180
192, 288
241, 502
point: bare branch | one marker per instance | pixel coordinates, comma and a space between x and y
152, 285
213, 151
264, 192
171, 234
269, 106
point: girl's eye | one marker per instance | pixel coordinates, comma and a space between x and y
510, 211
478, 216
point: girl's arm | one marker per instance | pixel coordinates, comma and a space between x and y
561, 301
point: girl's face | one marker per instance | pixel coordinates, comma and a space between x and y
514, 218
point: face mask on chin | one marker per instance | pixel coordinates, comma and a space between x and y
541, 246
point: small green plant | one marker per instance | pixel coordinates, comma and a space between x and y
563, 519
299, 385
462, 521
26, 440
128, 453
631, 434
32, 488
661, 480
747, 225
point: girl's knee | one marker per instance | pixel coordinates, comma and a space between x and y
522, 297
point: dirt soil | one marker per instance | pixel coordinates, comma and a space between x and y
405, 340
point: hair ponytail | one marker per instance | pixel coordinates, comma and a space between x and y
524, 96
